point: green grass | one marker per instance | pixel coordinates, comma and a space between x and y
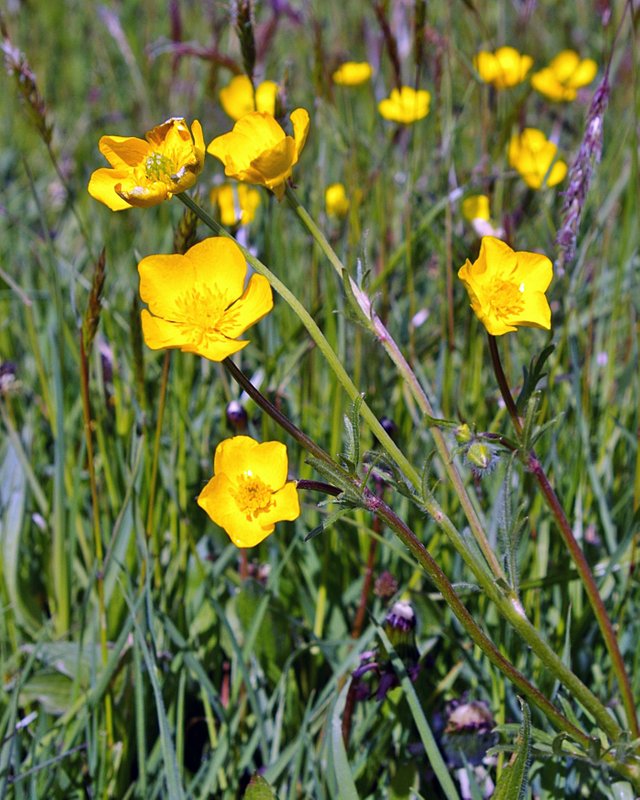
209, 675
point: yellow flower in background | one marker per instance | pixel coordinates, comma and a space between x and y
257, 150
405, 105
504, 68
198, 301
237, 204
563, 77
476, 206
237, 98
249, 491
534, 156
352, 73
506, 288
336, 200
144, 173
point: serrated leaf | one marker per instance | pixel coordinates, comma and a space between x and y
514, 780
259, 789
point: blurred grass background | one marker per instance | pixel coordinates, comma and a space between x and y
212, 675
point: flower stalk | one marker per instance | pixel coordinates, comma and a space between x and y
378, 507
582, 565
378, 329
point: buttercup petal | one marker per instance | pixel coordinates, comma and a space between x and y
275, 164
123, 151
266, 95
161, 333
534, 271
218, 263
286, 505
234, 456
255, 303
142, 195
236, 97
536, 312
584, 74
102, 187
214, 346
300, 121
269, 461
163, 278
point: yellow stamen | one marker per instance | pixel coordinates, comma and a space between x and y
505, 298
253, 496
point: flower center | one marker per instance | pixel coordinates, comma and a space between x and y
158, 167
505, 298
253, 497
201, 307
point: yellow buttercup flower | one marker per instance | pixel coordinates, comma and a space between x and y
534, 156
506, 288
257, 150
237, 204
476, 206
352, 73
198, 301
238, 99
563, 77
336, 200
405, 105
249, 491
144, 173
504, 68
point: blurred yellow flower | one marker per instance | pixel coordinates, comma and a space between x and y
257, 150
237, 97
198, 301
534, 156
146, 173
237, 204
352, 73
336, 200
506, 288
504, 68
249, 491
563, 77
476, 206
405, 105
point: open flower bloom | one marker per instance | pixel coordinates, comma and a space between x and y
336, 200
534, 156
249, 491
504, 68
563, 77
146, 173
198, 301
352, 73
237, 204
257, 150
238, 98
506, 288
405, 105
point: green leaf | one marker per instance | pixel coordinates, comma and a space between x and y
514, 780
344, 777
259, 789
532, 377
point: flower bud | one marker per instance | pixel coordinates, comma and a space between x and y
237, 416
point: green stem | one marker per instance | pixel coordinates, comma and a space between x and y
97, 536
509, 606
579, 559
375, 325
375, 505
